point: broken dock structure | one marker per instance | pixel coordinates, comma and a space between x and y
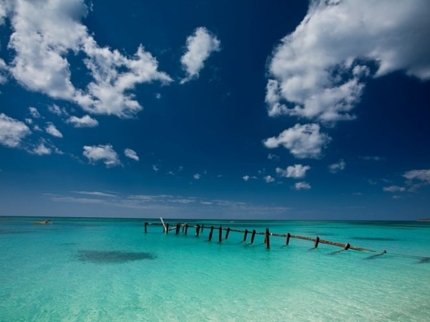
199, 228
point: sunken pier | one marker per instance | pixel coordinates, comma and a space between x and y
219, 231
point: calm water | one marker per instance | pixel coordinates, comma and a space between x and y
109, 270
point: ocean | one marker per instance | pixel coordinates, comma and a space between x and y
87, 269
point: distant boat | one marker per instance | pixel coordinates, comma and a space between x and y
45, 222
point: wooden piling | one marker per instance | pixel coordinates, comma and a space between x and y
178, 227
287, 241
245, 234
220, 234
167, 228
197, 230
211, 232
227, 232
347, 246
146, 227
317, 240
267, 238
253, 236
186, 229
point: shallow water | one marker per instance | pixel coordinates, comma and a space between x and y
109, 270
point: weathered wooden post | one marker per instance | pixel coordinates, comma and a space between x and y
245, 234
197, 230
220, 234
287, 241
146, 227
252, 236
227, 232
178, 227
186, 229
347, 245
267, 238
167, 228
211, 232
317, 240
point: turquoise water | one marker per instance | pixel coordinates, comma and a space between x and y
109, 270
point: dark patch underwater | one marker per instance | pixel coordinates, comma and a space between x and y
106, 257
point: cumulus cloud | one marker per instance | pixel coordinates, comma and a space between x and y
51, 129
303, 141
155, 168
129, 153
336, 167
199, 47
294, 171
302, 186
40, 63
3, 70
394, 189
41, 149
12, 131
319, 71
84, 121
269, 179
246, 177
197, 176
104, 153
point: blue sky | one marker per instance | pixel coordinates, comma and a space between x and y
215, 109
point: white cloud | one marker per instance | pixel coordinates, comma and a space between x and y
129, 153
51, 129
371, 158
84, 121
296, 171
57, 110
3, 69
40, 64
394, 189
199, 47
319, 71
103, 153
420, 175
12, 131
303, 141
34, 112
302, 186
155, 168
197, 176
336, 167
41, 149
95, 193
246, 177
269, 179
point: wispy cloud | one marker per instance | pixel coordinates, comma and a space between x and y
34, 112
394, 189
95, 193
12, 131
197, 176
199, 47
336, 167
41, 149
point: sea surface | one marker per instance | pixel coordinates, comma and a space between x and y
86, 269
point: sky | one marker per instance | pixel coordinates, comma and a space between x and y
223, 109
